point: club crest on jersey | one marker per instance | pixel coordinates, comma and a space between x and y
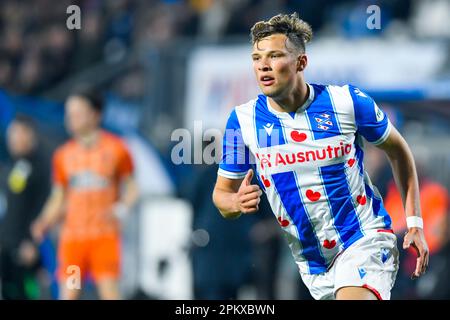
324, 121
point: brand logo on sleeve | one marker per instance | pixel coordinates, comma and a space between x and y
379, 114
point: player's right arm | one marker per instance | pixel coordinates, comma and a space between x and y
374, 125
53, 208
236, 196
50, 214
233, 193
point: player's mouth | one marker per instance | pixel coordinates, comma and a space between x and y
267, 80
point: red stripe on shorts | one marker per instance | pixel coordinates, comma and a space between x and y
374, 291
386, 230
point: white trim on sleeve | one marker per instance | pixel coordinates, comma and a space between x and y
384, 136
231, 175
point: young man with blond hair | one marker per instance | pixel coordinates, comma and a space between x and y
304, 143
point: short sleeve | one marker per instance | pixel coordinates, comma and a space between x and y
125, 166
59, 175
372, 123
235, 154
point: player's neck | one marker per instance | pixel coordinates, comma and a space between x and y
292, 101
88, 139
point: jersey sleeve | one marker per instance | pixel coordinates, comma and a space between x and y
59, 176
371, 122
125, 165
235, 154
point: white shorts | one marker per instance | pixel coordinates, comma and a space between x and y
371, 262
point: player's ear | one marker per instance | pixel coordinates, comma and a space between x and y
302, 61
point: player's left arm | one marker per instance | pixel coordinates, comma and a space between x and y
128, 197
405, 175
129, 192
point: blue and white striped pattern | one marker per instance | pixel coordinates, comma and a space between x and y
310, 165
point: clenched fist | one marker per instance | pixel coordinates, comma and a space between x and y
248, 195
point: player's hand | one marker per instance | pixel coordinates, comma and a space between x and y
248, 195
38, 230
414, 237
28, 253
119, 211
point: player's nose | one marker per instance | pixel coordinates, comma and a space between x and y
264, 65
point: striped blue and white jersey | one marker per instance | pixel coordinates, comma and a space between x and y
310, 165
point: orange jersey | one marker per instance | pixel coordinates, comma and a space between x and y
91, 178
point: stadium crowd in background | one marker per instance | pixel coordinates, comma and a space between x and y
38, 51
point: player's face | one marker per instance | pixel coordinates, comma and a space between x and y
275, 66
81, 118
20, 139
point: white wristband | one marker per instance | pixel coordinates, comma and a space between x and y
414, 222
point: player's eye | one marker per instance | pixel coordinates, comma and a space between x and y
255, 58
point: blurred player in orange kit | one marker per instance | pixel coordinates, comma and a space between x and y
93, 190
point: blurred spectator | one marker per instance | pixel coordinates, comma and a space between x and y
120, 21
90, 42
27, 188
431, 18
5, 69
215, 17
56, 53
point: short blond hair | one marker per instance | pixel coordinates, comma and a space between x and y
296, 30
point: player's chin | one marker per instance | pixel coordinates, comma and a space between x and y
269, 91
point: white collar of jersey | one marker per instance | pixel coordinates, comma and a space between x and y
302, 108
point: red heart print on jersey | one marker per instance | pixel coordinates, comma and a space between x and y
283, 223
329, 244
297, 136
351, 162
361, 199
265, 181
313, 196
